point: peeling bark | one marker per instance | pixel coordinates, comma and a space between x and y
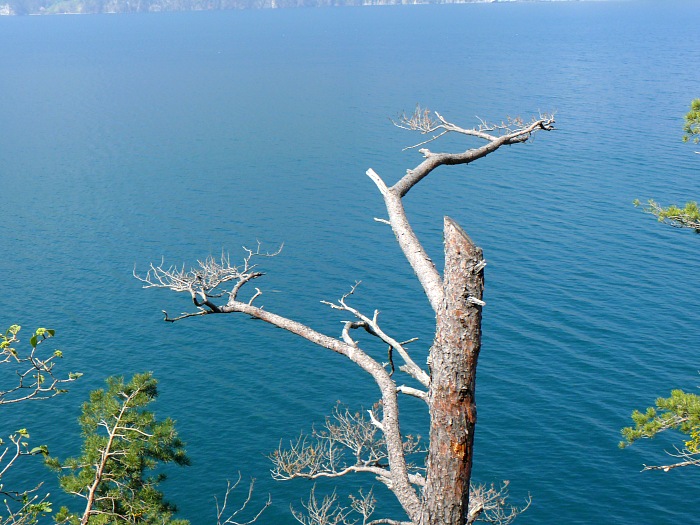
453, 360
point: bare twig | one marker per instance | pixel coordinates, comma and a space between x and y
686, 458
232, 519
371, 325
489, 504
208, 281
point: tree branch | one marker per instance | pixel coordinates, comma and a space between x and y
414, 252
372, 327
489, 504
231, 519
410, 391
514, 131
36, 378
688, 458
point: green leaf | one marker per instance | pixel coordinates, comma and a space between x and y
41, 449
40, 508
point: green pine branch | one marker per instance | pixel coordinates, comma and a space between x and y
686, 217
691, 129
689, 215
680, 412
123, 446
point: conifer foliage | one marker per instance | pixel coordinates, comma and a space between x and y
116, 473
689, 215
692, 122
686, 217
680, 411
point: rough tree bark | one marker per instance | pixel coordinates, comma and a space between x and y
440, 493
453, 360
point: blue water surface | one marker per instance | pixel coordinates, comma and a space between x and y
129, 138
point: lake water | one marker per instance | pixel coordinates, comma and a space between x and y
125, 139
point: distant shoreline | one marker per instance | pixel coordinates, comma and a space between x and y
81, 7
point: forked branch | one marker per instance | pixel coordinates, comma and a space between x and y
346, 442
225, 516
173, 279
212, 279
511, 131
371, 326
490, 504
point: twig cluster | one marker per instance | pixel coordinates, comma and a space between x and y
35, 376
35, 380
208, 281
329, 511
225, 516
515, 128
489, 504
346, 442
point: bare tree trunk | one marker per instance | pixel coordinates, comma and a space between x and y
456, 299
453, 360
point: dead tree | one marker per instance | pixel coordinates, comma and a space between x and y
437, 493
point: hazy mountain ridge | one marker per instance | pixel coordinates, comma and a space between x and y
40, 7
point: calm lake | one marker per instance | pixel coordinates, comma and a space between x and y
127, 139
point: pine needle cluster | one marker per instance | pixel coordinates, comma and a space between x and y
124, 444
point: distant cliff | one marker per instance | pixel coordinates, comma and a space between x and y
38, 7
